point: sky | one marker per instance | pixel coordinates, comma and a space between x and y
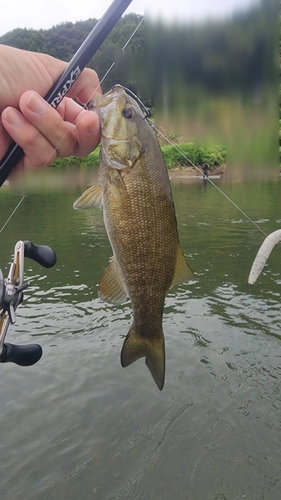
44, 14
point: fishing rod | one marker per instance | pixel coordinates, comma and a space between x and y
73, 70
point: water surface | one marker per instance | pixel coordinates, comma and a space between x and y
79, 426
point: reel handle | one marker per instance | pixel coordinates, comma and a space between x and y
42, 254
23, 355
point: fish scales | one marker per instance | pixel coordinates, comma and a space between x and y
141, 225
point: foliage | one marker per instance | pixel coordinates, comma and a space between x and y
62, 41
238, 53
92, 160
214, 156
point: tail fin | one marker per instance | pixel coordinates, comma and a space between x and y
152, 348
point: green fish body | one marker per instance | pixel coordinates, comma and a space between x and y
135, 194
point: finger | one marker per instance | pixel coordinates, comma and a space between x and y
48, 122
69, 110
87, 126
49, 135
37, 149
87, 87
87, 133
60, 128
5, 140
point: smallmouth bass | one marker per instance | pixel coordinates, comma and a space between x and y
135, 194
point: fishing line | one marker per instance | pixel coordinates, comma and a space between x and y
84, 107
122, 50
207, 178
9, 218
146, 114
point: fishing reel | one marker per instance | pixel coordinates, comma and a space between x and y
11, 295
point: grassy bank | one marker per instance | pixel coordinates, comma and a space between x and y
214, 156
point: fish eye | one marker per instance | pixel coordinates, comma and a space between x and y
128, 113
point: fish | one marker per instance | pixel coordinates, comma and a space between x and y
139, 215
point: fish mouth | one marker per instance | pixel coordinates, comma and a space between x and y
123, 96
136, 99
105, 100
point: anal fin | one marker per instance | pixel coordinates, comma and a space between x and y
182, 272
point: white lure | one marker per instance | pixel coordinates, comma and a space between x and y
263, 254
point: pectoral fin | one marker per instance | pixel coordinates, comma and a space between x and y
111, 286
91, 198
182, 272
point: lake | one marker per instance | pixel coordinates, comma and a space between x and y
79, 426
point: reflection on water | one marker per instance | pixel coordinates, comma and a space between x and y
77, 425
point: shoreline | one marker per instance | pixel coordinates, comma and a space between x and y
192, 172
187, 172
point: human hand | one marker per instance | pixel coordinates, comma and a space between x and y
43, 132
